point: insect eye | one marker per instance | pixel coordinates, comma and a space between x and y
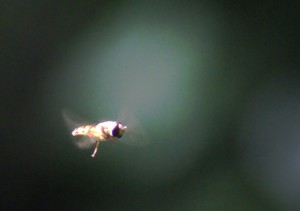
116, 132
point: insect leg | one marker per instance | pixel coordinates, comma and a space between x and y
96, 148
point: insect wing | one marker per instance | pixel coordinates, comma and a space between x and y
73, 121
135, 137
134, 134
84, 142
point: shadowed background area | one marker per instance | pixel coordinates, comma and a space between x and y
213, 86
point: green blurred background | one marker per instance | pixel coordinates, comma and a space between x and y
214, 85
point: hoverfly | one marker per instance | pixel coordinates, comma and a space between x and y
92, 134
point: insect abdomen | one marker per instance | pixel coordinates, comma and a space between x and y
83, 130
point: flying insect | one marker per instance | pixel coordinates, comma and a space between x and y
93, 134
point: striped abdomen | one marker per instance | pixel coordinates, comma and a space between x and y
87, 130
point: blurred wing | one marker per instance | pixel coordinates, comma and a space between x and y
134, 134
83, 142
73, 121
135, 137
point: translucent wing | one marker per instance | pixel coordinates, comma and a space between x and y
73, 121
134, 135
84, 142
